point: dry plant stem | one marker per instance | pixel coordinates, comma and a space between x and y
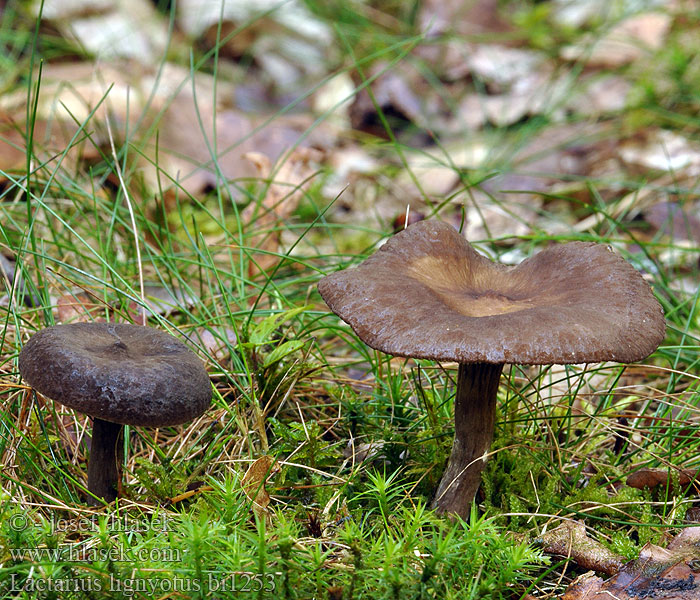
475, 417
103, 470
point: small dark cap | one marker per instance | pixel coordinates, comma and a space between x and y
427, 293
122, 373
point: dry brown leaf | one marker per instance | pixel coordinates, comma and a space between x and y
570, 540
109, 28
671, 574
79, 307
253, 484
631, 40
535, 93
674, 220
75, 95
286, 187
661, 149
12, 145
49, 143
399, 91
502, 67
651, 478
599, 95
160, 300
465, 18
287, 40
187, 131
177, 118
216, 341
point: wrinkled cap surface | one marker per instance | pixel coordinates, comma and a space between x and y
122, 373
427, 293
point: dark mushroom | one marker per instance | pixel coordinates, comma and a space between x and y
428, 294
119, 374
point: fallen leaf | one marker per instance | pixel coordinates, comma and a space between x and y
190, 137
662, 149
11, 281
404, 219
79, 307
674, 220
7, 278
464, 18
110, 28
632, 39
399, 92
263, 220
13, 154
216, 341
253, 484
651, 478
160, 300
599, 95
288, 42
188, 159
501, 67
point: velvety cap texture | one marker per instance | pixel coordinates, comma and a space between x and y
122, 373
427, 293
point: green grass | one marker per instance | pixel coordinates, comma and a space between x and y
293, 382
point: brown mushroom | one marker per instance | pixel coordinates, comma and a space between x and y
428, 294
119, 374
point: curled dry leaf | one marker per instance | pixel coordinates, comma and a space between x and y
671, 574
571, 541
253, 483
262, 220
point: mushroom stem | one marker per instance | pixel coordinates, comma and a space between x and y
103, 469
475, 417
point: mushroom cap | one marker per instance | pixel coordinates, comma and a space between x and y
128, 374
427, 293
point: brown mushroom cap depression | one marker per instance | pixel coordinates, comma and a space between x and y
427, 293
127, 374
